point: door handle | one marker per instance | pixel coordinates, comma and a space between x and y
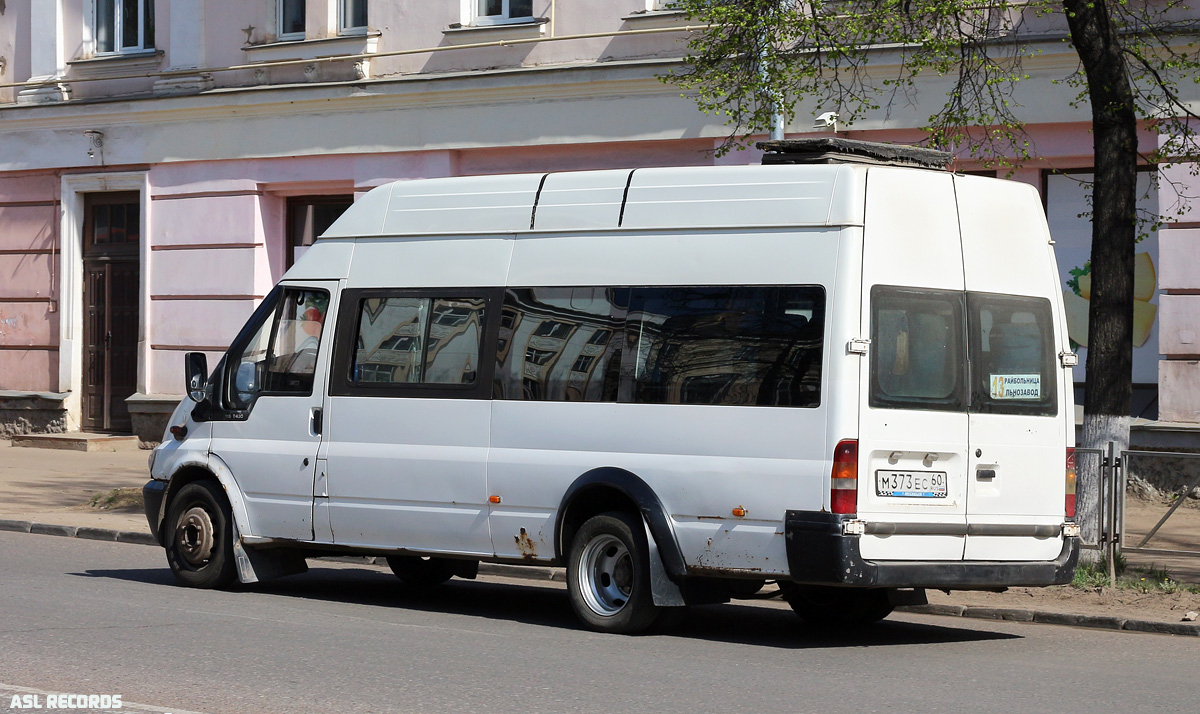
316, 420
985, 473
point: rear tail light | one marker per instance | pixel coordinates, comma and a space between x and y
1070, 483
843, 489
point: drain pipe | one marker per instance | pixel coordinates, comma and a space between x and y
770, 96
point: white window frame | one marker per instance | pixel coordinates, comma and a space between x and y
118, 29
501, 19
343, 12
279, 33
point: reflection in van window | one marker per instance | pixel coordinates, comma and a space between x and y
917, 349
418, 340
557, 344
743, 346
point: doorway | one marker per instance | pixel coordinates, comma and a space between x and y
111, 280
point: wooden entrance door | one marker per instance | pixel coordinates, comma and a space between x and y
111, 274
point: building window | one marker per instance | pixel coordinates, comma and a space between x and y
291, 20
307, 218
498, 12
353, 16
124, 26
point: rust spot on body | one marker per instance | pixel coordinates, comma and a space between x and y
714, 570
526, 545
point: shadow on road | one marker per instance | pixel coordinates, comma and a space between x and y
543, 606
150, 576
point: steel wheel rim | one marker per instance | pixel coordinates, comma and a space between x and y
606, 575
195, 536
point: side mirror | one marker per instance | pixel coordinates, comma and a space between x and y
196, 375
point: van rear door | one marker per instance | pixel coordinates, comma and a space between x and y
1017, 429
912, 475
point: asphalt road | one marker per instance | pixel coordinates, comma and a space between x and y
90, 617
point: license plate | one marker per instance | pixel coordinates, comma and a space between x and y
911, 484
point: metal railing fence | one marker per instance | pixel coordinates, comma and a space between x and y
1109, 534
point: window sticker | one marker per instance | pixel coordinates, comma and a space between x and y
1016, 386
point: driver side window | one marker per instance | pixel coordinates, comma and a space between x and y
281, 356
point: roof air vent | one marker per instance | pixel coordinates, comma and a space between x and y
828, 150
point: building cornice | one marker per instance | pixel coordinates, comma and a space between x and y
444, 90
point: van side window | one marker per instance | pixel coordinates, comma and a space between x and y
917, 349
1012, 355
743, 346
560, 344
280, 357
417, 340
739, 346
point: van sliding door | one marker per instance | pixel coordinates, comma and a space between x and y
408, 435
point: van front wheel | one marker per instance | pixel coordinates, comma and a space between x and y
608, 576
199, 536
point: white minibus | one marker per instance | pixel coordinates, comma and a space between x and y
845, 372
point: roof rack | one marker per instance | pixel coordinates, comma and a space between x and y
830, 150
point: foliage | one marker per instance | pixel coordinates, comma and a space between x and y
118, 499
864, 58
1093, 576
1073, 283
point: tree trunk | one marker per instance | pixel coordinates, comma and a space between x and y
1109, 390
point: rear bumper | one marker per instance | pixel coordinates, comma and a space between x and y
152, 494
819, 554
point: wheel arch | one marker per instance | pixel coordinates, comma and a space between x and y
614, 489
198, 469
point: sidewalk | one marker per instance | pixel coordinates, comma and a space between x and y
53, 487
50, 489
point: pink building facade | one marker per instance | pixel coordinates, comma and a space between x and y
163, 163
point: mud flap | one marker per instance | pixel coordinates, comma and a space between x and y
245, 569
666, 593
255, 565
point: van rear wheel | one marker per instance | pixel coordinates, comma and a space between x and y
608, 575
837, 607
421, 572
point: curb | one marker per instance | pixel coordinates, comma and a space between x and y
85, 532
558, 575
1102, 622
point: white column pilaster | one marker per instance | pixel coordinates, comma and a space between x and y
47, 61
186, 50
